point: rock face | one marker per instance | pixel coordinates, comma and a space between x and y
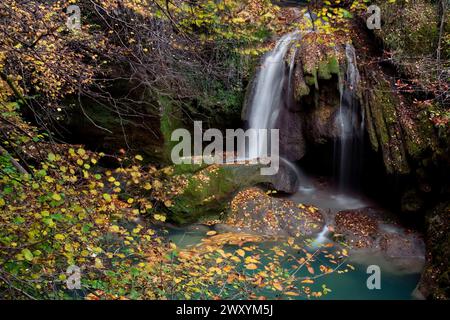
435, 281
309, 116
254, 211
372, 231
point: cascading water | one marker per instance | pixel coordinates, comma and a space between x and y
273, 90
321, 238
350, 118
266, 101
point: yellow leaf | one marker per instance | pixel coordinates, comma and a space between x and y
159, 217
147, 186
278, 286
251, 266
235, 259
240, 252
98, 263
168, 203
68, 247
114, 228
310, 269
59, 237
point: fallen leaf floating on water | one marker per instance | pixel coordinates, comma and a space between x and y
251, 266
278, 286
240, 252
310, 269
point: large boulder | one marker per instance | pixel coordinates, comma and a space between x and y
191, 192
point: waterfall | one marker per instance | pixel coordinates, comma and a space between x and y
266, 101
321, 238
350, 118
272, 90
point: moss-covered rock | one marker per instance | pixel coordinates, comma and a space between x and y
384, 128
193, 192
170, 120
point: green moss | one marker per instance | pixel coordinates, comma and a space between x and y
328, 67
169, 121
382, 111
333, 65
420, 136
187, 168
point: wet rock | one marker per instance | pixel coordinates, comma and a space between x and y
292, 142
358, 229
320, 121
254, 211
285, 180
372, 231
405, 250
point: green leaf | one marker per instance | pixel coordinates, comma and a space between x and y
27, 254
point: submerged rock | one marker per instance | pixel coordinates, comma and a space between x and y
371, 231
252, 210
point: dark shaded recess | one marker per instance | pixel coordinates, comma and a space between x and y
132, 126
